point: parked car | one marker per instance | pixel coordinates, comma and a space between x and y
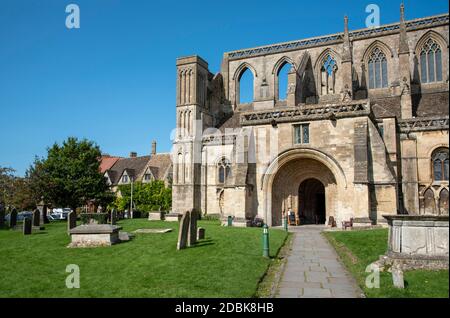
59, 214
20, 216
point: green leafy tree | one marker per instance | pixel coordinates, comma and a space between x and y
22, 197
6, 185
146, 196
15, 191
70, 175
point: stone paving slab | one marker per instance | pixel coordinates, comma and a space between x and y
313, 269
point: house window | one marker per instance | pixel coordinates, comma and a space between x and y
147, 177
224, 170
440, 164
124, 179
301, 134
430, 62
377, 69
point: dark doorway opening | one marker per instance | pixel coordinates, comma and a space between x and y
311, 202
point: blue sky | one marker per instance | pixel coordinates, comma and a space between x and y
113, 80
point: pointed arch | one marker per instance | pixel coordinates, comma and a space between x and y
241, 69
277, 81
281, 62
431, 52
376, 60
326, 68
324, 54
429, 202
189, 125
377, 44
443, 202
237, 78
440, 164
433, 35
223, 170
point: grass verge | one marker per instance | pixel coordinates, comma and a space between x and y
358, 249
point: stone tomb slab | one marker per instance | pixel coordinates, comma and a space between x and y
173, 217
154, 231
94, 235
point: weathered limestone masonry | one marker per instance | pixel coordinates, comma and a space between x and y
416, 241
362, 133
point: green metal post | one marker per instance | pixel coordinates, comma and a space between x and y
286, 222
265, 241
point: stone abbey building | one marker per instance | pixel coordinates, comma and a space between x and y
362, 132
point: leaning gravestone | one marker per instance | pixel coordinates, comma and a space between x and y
200, 233
36, 218
397, 276
13, 218
71, 221
192, 235
2, 216
27, 226
183, 231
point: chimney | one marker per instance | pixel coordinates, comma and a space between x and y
133, 154
153, 147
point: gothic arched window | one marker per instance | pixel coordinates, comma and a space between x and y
440, 164
224, 170
377, 69
430, 62
328, 75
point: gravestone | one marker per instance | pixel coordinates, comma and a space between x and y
42, 207
113, 216
45, 219
36, 218
183, 231
71, 221
13, 218
192, 235
200, 233
2, 216
27, 226
397, 277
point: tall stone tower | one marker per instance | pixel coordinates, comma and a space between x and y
192, 85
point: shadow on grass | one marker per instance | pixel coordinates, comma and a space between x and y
203, 243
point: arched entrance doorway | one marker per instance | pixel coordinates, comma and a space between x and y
283, 179
311, 202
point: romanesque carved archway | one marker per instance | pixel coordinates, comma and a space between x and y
284, 175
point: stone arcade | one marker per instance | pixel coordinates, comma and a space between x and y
362, 133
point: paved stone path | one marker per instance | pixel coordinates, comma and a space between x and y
313, 269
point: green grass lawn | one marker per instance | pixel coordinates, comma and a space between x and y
358, 249
228, 263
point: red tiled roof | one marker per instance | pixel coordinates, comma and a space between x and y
107, 162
